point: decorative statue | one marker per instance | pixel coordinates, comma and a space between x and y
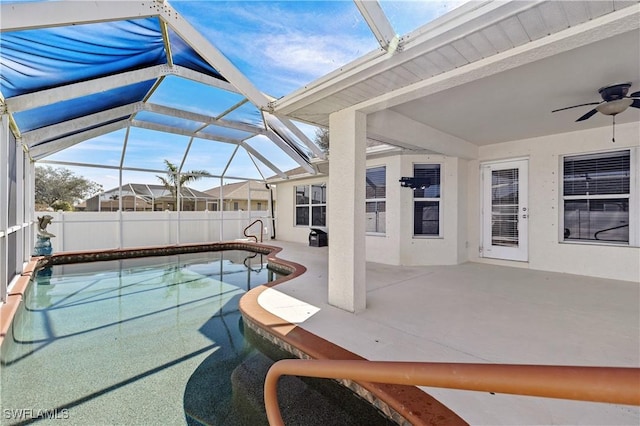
43, 222
43, 245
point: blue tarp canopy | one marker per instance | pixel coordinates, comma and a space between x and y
74, 71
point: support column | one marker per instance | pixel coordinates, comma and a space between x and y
346, 210
30, 208
21, 256
5, 279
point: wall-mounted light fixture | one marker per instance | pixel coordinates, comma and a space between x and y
415, 182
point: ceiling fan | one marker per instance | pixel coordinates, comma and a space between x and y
614, 101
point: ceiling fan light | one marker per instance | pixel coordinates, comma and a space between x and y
614, 107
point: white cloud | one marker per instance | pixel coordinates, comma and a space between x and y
312, 56
281, 46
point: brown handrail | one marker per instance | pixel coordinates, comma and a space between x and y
618, 385
250, 225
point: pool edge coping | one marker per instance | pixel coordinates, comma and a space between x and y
15, 295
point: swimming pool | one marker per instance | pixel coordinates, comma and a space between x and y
150, 340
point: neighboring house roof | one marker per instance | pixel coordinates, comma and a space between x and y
240, 191
150, 192
487, 72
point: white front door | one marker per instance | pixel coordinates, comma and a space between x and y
505, 211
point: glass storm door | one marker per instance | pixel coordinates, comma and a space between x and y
504, 210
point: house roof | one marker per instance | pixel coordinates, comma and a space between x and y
487, 72
240, 191
150, 192
322, 169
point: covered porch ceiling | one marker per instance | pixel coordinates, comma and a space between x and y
486, 73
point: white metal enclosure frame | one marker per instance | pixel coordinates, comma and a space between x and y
22, 146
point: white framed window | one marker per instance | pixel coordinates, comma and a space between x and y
375, 193
600, 197
427, 211
311, 205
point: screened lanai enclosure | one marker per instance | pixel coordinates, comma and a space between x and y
117, 92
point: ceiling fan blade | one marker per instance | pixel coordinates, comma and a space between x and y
576, 106
587, 115
635, 103
634, 95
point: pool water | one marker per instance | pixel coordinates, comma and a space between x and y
145, 341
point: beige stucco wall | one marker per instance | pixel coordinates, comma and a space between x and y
285, 210
434, 250
461, 235
398, 246
229, 205
546, 252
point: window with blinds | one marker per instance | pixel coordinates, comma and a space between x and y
375, 193
596, 193
426, 201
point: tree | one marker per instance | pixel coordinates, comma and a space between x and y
322, 139
60, 187
173, 180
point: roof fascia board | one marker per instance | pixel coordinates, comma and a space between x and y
287, 149
50, 132
183, 132
89, 87
610, 25
24, 16
375, 17
214, 57
296, 131
45, 149
465, 20
429, 37
160, 109
263, 159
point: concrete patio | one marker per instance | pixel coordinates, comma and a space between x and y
477, 313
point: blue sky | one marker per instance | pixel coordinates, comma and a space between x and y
280, 46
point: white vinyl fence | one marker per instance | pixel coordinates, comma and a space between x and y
79, 231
